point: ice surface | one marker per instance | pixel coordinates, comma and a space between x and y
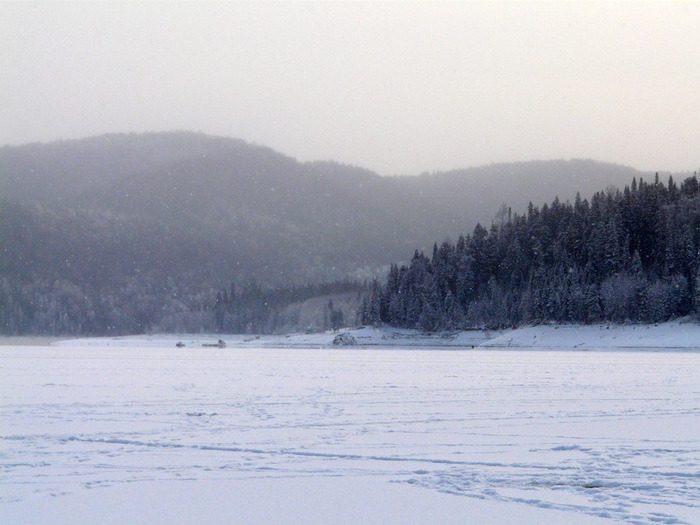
154, 434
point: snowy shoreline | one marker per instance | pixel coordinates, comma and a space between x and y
679, 335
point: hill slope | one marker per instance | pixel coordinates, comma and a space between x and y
254, 207
184, 214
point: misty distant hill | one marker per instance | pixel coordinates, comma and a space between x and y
219, 209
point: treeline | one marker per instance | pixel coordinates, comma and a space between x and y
257, 311
60, 307
627, 255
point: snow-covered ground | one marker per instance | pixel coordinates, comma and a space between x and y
140, 431
360, 337
675, 335
664, 336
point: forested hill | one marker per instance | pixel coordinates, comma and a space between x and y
164, 198
108, 233
630, 255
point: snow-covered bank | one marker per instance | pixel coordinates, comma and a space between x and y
29, 340
356, 337
675, 335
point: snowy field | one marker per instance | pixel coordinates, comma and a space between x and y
154, 434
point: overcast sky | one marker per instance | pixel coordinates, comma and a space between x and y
393, 87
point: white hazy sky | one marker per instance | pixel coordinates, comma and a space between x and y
394, 87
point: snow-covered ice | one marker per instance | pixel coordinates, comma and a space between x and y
158, 434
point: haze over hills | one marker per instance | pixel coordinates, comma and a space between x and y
183, 214
263, 215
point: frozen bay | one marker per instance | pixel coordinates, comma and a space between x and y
163, 435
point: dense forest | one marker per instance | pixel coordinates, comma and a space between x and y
627, 255
128, 233
258, 311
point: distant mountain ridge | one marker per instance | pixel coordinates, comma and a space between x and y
260, 214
